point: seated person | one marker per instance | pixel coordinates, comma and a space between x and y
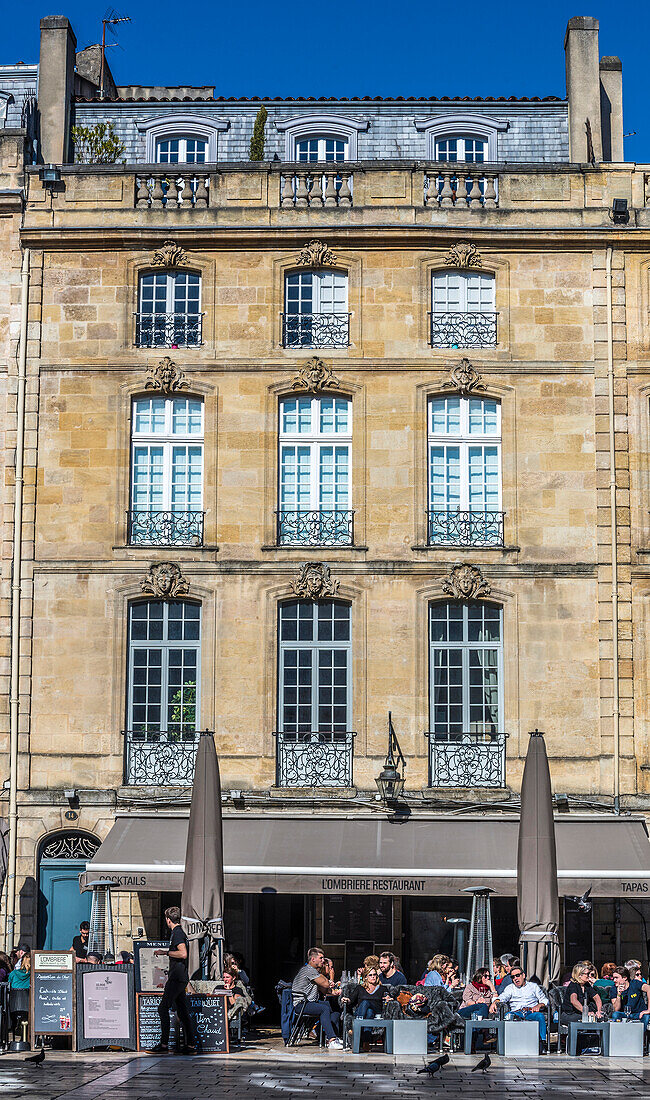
366, 999
437, 969
506, 962
576, 992
477, 995
19, 977
451, 978
238, 997
525, 1000
605, 985
389, 973
235, 962
315, 986
80, 942
632, 996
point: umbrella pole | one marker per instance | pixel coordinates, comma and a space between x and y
205, 958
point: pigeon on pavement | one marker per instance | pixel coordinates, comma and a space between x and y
484, 1064
37, 1059
435, 1066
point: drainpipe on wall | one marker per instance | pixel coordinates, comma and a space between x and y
614, 531
16, 569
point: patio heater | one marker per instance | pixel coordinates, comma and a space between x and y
101, 940
479, 953
459, 949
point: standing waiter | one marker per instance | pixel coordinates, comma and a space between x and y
174, 991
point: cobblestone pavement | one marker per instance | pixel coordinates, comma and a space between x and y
267, 1075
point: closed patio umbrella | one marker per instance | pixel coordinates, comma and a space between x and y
202, 900
538, 906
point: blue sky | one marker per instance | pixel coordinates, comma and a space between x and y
352, 47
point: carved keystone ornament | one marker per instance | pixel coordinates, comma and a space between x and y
165, 377
315, 376
466, 582
316, 254
463, 254
314, 581
165, 581
170, 255
464, 378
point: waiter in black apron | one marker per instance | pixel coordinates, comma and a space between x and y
174, 991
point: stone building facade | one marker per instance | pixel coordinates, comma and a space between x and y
305, 446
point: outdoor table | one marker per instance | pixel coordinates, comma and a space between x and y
599, 1028
626, 1038
358, 1025
486, 1024
409, 1037
519, 1039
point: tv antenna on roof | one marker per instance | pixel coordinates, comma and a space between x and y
110, 20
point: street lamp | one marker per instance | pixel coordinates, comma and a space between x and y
390, 781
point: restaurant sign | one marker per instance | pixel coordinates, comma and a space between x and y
374, 885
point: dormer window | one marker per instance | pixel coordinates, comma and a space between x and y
470, 150
312, 150
181, 150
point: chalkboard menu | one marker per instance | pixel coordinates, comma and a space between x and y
105, 1006
52, 993
365, 917
148, 1020
208, 1015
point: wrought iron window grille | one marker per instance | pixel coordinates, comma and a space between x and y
315, 330
315, 528
165, 528
314, 759
462, 330
159, 758
465, 528
168, 330
467, 759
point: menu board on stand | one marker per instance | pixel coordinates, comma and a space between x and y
209, 1017
105, 1006
150, 969
52, 995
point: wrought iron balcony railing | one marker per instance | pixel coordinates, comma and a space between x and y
309, 187
168, 330
315, 330
463, 330
314, 759
333, 528
467, 759
165, 528
159, 758
472, 528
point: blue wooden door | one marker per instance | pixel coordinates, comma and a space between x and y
61, 904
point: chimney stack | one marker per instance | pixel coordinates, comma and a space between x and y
583, 89
55, 88
611, 108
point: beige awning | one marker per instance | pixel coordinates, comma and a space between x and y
428, 855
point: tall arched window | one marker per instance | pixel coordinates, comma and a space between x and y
314, 738
166, 472
316, 310
463, 309
464, 459
315, 471
169, 310
466, 667
164, 692
466, 739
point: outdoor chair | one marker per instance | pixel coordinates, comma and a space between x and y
293, 1023
556, 999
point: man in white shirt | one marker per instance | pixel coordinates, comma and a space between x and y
525, 1000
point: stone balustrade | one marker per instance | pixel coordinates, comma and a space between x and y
314, 189
475, 188
160, 190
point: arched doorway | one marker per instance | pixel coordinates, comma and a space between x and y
62, 857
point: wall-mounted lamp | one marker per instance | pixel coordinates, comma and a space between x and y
620, 213
390, 781
73, 798
50, 176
